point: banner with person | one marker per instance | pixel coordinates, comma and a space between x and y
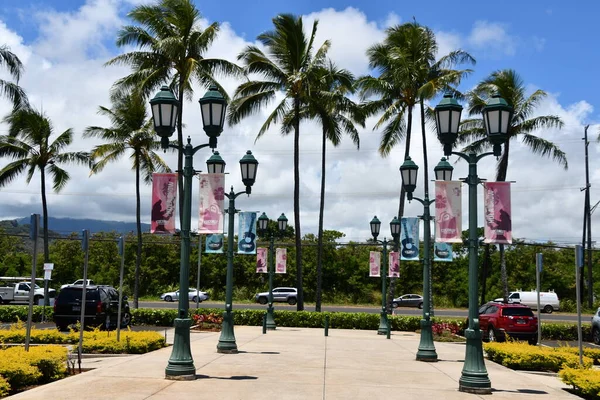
164, 202
448, 211
212, 199
442, 251
261, 260
247, 232
374, 263
409, 242
394, 267
497, 213
281, 261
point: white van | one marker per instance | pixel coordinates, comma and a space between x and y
548, 300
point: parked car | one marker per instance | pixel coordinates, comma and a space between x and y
192, 295
408, 300
280, 294
548, 300
78, 282
596, 327
101, 307
499, 320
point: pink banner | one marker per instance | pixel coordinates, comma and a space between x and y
212, 197
280, 261
448, 211
261, 260
498, 224
374, 263
394, 267
164, 199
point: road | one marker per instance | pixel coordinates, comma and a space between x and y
460, 313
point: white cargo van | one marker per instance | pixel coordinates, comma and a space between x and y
548, 300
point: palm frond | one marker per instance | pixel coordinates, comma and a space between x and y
545, 148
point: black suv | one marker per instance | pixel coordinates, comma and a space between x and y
101, 309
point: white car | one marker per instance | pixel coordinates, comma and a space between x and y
79, 282
173, 296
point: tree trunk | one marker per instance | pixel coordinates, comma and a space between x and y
320, 239
138, 255
180, 152
426, 195
393, 281
44, 215
300, 303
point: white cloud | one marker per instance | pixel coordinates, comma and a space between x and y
492, 38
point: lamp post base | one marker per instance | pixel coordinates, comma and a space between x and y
383, 324
426, 350
474, 378
181, 365
270, 320
227, 343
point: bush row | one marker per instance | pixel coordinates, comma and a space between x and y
95, 342
520, 355
305, 319
586, 382
39, 365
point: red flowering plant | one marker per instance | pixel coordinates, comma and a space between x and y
446, 331
207, 322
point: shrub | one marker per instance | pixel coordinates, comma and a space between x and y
41, 364
585, 382
594, 354
4, 387
519, 355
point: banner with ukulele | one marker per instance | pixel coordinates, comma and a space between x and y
374, 263
448, 211
409, 239
247, 232
280, 261
164, 199
212, 198
261, 260
394, 267
497, 214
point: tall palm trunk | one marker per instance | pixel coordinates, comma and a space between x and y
180, 153
44, 215
300, 304
138, 255
501, 177
320, 239
393, 281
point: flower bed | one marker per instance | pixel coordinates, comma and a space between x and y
209, 322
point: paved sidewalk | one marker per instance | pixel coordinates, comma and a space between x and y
297, 363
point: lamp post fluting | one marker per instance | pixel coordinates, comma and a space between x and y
395, 229
408, 171
165, 107
249, 167
263, 222
497, 115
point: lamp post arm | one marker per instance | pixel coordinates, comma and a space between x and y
233, 195
201, 146
426, 202
472, 157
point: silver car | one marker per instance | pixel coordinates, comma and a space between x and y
596, 327
173, 296
280, 294
408, 300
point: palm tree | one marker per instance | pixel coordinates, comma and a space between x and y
409, 75
131, 131
172, 48
289, 67
337, 114
12, 91
29, 145
509, 85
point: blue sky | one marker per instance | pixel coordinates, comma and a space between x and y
552, 45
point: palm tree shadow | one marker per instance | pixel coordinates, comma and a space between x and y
233, 378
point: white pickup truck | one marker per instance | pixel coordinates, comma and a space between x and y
18, 292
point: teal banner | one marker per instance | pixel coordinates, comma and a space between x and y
214, 243
442, 252
247, 233
409, 239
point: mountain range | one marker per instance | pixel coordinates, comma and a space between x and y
65, 226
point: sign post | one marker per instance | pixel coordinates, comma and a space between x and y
578, 265
538, 271
48, 267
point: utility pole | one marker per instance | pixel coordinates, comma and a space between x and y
587, 226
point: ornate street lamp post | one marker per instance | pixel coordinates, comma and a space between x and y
165, 109
443, 171
263, 222
395, 230
497, 115
249, 167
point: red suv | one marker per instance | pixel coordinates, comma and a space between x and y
497, 320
